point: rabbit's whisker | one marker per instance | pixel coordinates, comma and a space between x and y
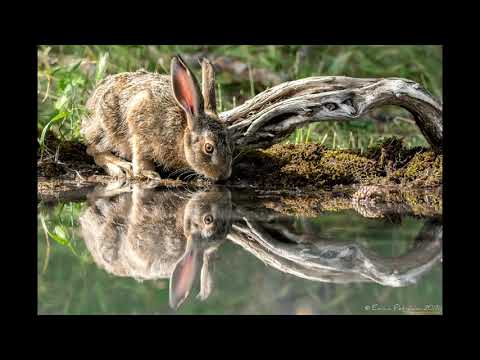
192, 176
187, 172
240, 153
180, 171
180, 195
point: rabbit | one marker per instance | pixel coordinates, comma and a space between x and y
148, 234
148, 118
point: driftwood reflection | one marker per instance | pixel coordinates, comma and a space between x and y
311, 256
152, 234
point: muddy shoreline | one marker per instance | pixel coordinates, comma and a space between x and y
308, 178
282, 166
373, 201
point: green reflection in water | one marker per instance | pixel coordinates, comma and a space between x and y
69, 282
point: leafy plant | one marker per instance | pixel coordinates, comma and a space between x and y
67, 74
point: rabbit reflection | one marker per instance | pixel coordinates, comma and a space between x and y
151, 234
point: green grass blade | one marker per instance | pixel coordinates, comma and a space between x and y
101, 67
59, 235
55, 119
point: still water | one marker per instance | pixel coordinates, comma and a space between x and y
156, 251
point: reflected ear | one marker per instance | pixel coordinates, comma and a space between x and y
206, 278
186, 90
208, 86
183, 276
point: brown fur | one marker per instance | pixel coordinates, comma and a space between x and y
146, 233
138, 117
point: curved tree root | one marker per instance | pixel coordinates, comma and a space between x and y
275, 113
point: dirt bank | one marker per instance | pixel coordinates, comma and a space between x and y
65, 160
284, 167
311, 166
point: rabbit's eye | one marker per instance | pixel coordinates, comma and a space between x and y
208, 219
208, 148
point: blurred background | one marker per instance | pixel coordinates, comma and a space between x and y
68, 73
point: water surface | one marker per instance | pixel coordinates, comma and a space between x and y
156, 251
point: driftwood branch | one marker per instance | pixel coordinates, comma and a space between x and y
275, 113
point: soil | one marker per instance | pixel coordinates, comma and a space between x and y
311, 166
65, 160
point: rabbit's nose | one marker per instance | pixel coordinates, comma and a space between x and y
222, 178
226, 175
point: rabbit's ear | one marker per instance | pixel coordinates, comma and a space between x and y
185, 88
208, 86
183, 276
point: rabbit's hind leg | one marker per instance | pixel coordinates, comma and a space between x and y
113, 165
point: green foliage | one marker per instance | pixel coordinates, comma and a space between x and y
59, 225
62, 91
68, 73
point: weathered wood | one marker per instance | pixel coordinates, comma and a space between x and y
328, 260
275, 113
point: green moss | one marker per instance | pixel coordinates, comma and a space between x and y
381, 201
301, 167
387, 149
311, 166
424, 169
428, 204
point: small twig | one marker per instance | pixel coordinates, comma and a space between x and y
250, 77
48, 88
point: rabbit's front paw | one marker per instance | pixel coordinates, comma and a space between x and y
115, 171
127, 168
